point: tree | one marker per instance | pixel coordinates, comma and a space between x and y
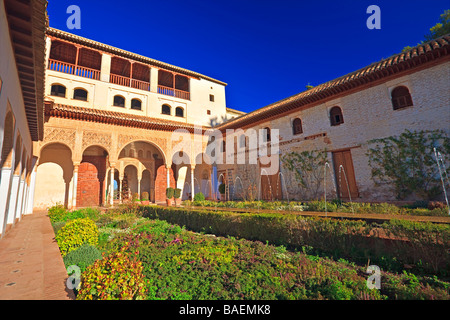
441, 28
407, 163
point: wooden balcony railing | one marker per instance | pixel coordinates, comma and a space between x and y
138, 84
174, 92
128, 82
123, 81
69, 68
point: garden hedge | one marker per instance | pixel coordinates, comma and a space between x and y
392, 244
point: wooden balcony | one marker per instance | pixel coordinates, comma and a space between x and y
174, 92
129, 82
69, 68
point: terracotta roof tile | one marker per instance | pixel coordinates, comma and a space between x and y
117, 118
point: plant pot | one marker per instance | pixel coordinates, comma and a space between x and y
169, 202
145, 202
177, 202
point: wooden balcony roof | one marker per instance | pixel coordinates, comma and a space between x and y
116, 118
28, 21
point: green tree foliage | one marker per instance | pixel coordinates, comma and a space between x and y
407, 162
441, 28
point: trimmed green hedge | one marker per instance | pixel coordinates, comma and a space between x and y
356, 240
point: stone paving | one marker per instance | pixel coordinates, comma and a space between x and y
31, 266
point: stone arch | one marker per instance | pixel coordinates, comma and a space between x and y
202, 175
8, 140
92, 176
157, 147
53, 175
131, 174
155, 180
181, 166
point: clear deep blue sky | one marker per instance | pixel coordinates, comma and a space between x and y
264, 50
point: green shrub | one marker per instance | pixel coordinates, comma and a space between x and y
222, 188
169, 193
58, 225
117, 220
199, 197
57, 213
428, 243
75, 233
135, 197
177, 193
144, 196
117, 276
82, 257
90, 213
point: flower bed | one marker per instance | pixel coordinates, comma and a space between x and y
153, 259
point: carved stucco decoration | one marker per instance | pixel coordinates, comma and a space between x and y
63, 135
96, 138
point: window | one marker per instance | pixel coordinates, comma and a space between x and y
179, 112
336, 117
136, 104
165, 109
401, 98
58, 90
80, 94
267, 132
208, 112
119, 101
211, 97
297, 126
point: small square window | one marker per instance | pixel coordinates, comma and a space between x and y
211, 97
208, 112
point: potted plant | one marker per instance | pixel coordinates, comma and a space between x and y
222, 191
177, 195
136, 197
169, 196
144, 198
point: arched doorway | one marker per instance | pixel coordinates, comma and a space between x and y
142, 169
91, 187
53, 176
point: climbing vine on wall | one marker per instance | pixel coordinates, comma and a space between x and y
308, 170
407, 162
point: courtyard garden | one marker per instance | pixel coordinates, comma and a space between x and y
155, 252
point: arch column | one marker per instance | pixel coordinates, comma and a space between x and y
111, 186
120, 187
139, 178
192, 182
75, 184
30, 195
168, 174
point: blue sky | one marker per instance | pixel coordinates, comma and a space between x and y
264, 50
